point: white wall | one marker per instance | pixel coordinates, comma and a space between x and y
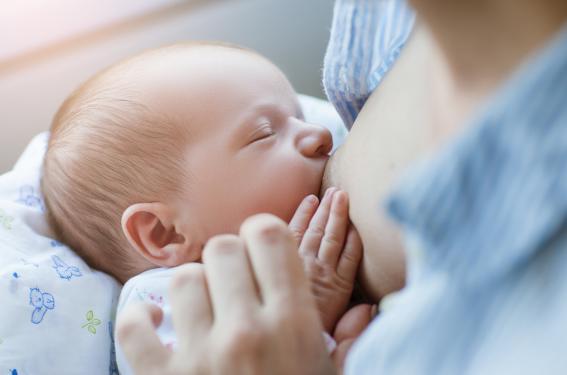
293, 33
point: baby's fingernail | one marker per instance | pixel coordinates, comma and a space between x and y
311, 199
339, 197
330, 191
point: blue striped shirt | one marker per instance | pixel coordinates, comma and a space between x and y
485, 218
349, 81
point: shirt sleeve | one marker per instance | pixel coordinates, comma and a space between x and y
366, 39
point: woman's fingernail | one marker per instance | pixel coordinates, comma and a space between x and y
272, 235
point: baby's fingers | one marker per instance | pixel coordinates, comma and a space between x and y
311, 241
335, 230
351, 255
300, 220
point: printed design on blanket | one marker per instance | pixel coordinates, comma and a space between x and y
29, 198
55, 243
91, 323
13, 371
113, 366
144, 295
42, 302
64, 270
5, 220
13, 288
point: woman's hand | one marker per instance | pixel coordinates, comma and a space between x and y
350, 326
247, 309
331, 251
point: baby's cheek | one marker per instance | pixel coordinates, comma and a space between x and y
278, 188
292, 198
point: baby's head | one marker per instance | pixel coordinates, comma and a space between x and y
151, 157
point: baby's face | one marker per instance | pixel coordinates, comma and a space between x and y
250, 150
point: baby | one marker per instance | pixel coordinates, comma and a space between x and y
155, 155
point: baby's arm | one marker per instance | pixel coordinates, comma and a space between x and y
331, 251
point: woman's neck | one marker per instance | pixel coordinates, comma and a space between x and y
482, 41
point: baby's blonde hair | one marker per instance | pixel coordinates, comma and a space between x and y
106, 151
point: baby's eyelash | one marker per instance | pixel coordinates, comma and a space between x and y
268, 132
263, 132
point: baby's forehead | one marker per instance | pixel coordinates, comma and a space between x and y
175, 72
190, 58
199, 84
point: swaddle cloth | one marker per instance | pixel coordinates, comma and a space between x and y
57, 314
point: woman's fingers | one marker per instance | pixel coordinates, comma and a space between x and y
348, 329
192, 315
229, 277
316, 229
350, 256
287, 306
300, 220
354, 322
340, 353
275, 263
138, 340
335, 230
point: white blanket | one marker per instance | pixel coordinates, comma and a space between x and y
57, 314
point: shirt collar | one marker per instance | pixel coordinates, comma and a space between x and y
497, 194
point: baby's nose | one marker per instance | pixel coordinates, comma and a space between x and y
315, 141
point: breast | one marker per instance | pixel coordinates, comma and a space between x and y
389, 134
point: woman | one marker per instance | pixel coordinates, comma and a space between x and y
483, 217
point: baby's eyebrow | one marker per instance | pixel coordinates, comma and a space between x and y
259, 110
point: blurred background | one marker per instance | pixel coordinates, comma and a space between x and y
48, 47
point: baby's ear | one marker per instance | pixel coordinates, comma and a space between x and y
150, 229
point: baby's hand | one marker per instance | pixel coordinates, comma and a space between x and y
331, 251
